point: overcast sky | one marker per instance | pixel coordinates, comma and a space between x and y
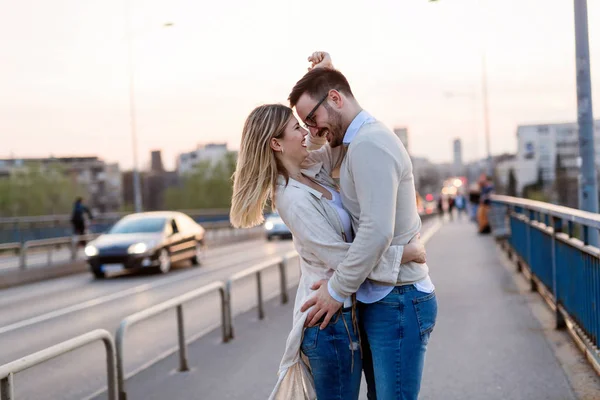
64, 79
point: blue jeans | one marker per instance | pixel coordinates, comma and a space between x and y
394, 334
330, 352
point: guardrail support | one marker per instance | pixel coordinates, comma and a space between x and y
176, 303
283, 279
8, 370
261, 310
224, 311
183, 362
23, 257
6, 388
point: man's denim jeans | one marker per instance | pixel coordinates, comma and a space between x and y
330, 352
394, 334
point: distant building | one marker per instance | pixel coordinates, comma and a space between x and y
212, 152
101, 180
402, 133
458, 157
154, 183
539, 148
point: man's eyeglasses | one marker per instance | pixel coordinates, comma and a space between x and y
309, 121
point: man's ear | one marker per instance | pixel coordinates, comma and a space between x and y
336, 98
275, 145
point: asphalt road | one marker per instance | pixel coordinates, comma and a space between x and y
36, 316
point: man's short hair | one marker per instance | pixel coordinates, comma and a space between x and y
318, 82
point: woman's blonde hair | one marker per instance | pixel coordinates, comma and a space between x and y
255, 176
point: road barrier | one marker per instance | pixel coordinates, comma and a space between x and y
281, 263
561, 264
218, 231
176, 303
226, 312
7, 371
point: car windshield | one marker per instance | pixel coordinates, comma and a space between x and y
139, 225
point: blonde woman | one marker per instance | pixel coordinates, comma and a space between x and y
275, 166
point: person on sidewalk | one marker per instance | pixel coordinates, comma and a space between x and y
78, 218
274, 165
378, 191
461, 204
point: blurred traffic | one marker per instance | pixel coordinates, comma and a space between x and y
153, 240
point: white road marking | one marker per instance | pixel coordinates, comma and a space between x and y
100, 300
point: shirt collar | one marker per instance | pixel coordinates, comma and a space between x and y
299, 185
362, 118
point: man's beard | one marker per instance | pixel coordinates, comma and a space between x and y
336, 130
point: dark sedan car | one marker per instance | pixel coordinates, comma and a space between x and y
151, 240
275, 227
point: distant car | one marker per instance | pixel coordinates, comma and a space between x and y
275, 227
152, 240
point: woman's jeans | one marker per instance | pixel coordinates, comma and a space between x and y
394, 335
335, 358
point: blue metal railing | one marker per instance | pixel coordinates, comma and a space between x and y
542, 236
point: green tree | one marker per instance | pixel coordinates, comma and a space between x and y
37, 190
208, 186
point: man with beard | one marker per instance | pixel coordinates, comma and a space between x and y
377, 188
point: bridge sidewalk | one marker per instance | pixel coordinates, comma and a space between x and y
486, 345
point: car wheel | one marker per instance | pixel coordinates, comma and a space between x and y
164, 261
98, 273
199, 254
270, 238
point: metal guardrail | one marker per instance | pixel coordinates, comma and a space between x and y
177, 303
10, 247
564, 268
281, 263
50, 244
218, 230
7, 371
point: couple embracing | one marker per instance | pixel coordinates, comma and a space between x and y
365, 302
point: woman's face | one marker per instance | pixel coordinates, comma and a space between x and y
292, 143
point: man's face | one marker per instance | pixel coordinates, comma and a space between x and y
321, 119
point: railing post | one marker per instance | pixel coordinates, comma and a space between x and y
183, 363
74, 245
6, 388
283, 279
110, 369
586, 234
261, 311
230, 333
119, 339
224, 306
49, 256
557, 228
23, 257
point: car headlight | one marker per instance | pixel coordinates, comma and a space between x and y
137, 248
269, 225
91, 251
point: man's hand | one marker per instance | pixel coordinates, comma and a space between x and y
320, 59
414, 251
323, 304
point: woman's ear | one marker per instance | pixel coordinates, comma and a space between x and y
275, 145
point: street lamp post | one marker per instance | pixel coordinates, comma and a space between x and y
588, 200
486, 114
137, 187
